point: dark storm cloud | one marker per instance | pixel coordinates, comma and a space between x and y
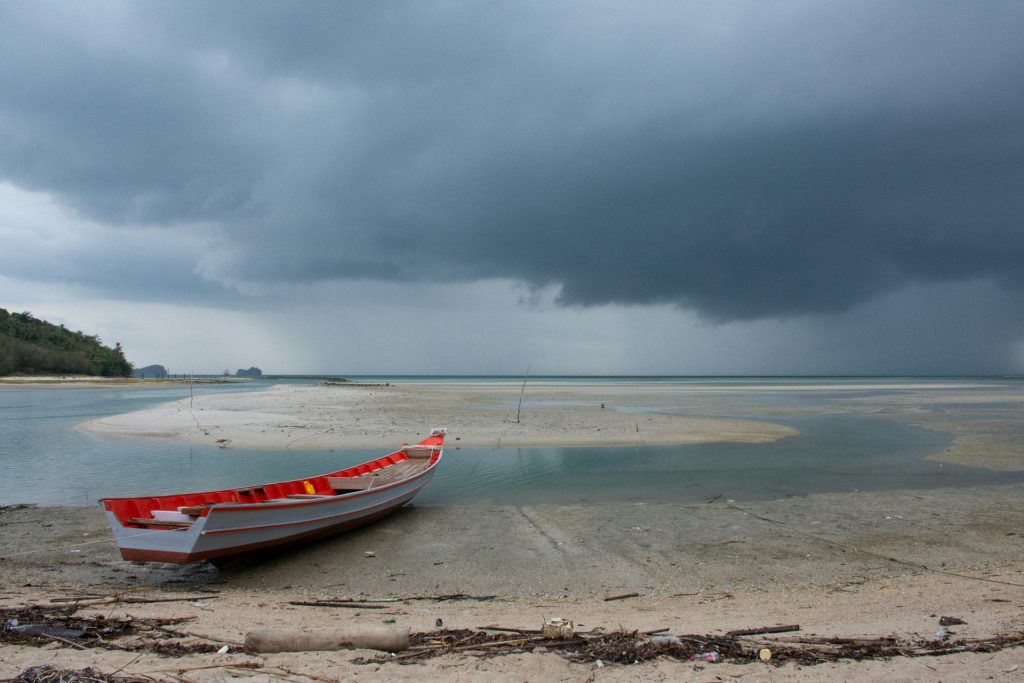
745, 160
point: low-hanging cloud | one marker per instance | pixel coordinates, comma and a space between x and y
744, 160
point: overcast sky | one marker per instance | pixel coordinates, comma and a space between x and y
472, 187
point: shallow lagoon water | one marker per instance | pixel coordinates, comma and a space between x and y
832, 453
44, 460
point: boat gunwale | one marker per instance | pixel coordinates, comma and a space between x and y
285, 504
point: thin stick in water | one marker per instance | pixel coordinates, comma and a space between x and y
523, 391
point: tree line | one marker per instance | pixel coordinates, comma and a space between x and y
32, 346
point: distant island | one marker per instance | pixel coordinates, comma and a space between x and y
35, 347
251, 372
150, 371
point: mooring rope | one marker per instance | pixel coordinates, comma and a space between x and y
75, 545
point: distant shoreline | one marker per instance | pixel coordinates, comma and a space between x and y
65, 381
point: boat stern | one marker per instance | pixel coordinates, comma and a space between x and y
167, 538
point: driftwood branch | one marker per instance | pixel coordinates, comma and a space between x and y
622, 597
763, 629
509, 629
332, 603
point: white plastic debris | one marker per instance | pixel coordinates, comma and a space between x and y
666, 640
558, 629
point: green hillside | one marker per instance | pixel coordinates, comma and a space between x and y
32, 346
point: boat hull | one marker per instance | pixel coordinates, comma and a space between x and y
228, 531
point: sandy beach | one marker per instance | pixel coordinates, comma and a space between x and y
855, 564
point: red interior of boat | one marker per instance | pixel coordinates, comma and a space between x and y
129, 509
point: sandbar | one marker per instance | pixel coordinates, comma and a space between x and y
324, 416
984, 418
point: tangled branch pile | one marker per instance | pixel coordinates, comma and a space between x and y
633, 647
52, 674
41, 625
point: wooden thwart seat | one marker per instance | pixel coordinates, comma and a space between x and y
419, 451
250, 490
168, 523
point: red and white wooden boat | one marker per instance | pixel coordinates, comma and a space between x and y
220, 525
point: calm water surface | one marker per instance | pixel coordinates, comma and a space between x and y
44, 460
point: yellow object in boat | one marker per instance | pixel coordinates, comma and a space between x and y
309, 487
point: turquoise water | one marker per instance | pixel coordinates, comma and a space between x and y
44, 460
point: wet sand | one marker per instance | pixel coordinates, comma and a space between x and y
843, 564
